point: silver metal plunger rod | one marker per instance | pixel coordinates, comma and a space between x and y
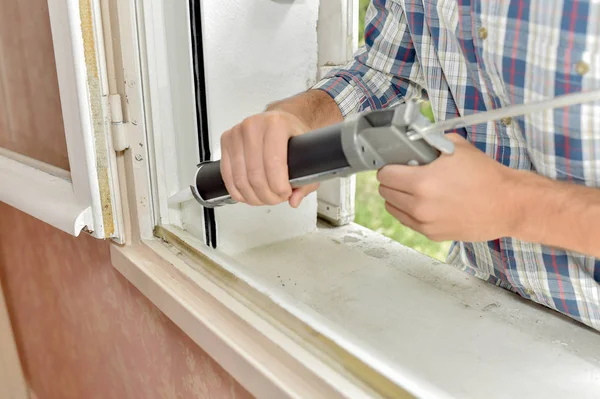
510, 112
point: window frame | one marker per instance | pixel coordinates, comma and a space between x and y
338, 41
176, 276
224, 309
86, 198
170, 91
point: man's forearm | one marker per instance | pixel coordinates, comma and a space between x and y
557, 214
315, 108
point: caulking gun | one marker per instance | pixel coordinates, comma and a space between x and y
367, 141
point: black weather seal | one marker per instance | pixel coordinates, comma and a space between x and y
210, 224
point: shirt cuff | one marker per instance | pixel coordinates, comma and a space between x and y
347, 95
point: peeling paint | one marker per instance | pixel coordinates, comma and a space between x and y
97, 115
379, 253
350, 239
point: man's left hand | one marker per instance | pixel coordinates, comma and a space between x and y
465, 196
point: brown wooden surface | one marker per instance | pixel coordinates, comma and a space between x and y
30, 112
83, 331
12, 380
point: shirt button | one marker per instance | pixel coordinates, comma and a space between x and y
483, 33
582, 68
507, 121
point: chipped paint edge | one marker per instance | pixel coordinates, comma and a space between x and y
99, 119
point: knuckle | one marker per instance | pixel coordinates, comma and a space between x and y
275, 117
283, 190
237, 197
422, 188
241, 182
256, 179
420, 211
274, 161
246, 125
389, 208
428, 231
226, 139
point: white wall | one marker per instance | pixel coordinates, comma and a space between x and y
257, 51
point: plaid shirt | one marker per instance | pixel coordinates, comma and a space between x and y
474, 55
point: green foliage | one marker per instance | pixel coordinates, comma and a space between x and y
370, 208
427, 111
364, 4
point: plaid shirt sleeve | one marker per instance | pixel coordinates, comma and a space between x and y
383, 71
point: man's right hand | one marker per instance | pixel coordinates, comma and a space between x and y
254, 159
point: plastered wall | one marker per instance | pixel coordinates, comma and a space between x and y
30, 110
84, 332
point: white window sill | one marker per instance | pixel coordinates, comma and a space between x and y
428, 328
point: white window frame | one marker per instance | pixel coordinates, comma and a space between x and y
87, 197
173, 120
338, 41
274, 344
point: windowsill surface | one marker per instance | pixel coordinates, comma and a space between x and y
442, 326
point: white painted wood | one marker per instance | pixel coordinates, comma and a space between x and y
281, 259
129, 46
336, 201
256, 352
257, 52
338, 31
406, 312
43, 195
13, 384
83, 92
338, 41
424, 325
246, 68
170, 120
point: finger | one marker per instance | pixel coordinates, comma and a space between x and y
400, 177
400, 200
228, 177
402, 217
300, 193
238, 167
275, 161
255, 168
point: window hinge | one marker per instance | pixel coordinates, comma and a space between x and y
118, 127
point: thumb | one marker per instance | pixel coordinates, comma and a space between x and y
299, 193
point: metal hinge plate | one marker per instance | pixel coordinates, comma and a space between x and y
118, 126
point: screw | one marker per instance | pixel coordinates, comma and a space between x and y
139, 158
134, 122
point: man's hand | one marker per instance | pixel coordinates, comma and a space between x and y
254, 159
467, 196
464, 196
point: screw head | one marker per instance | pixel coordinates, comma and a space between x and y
139, 158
